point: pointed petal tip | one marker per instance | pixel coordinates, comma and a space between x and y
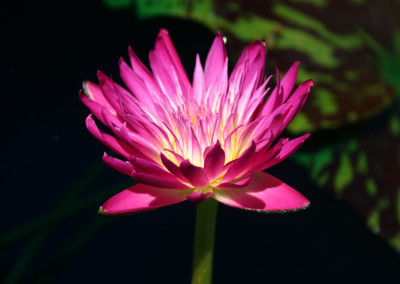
88, 89
164, 31
120, 61
101, 211
162, 34
89, 120
82, 94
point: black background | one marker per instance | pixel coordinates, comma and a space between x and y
49, 48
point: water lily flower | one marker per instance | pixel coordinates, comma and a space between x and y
209, 138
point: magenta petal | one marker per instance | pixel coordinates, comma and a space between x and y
237, 184
288, 148
214, 161
141, 198
199, 197
289, 80
123, 167
151, 173
195, 175
167, 56
297, 100
215, 61
98, 109
198, 81
172, 168
164, 36
137, 85
94, 93
252, 58
111, 142
238, 166
157, 181
265, 193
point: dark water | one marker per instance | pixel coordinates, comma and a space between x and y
50, 48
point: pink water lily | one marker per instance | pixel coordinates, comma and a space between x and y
211, 138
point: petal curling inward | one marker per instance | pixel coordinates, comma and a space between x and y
123, 167
214, 161
195, 175
265, 193
141, 198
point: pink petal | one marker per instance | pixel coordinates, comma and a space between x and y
173, 168
94, 93
297, 100
265, 193
165, 49
236, 167
289, 80
123, 167
262, 159
138, 67
195, 175
288, 149
276, 97
164, 76
151, 173
215, 62
111, 142
138, 86
94, 107
138, 145
199, 197
199, 86
157, 181
141, 198
214, 161
237, 184
254, 53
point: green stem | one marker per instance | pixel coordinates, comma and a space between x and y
206, 216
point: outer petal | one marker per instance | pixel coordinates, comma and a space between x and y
123, 167
111, 142
94, 93
159, 182
152, 174
265, 193
141, 198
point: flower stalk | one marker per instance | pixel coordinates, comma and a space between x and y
206, 216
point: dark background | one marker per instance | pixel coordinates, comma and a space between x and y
49, 48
